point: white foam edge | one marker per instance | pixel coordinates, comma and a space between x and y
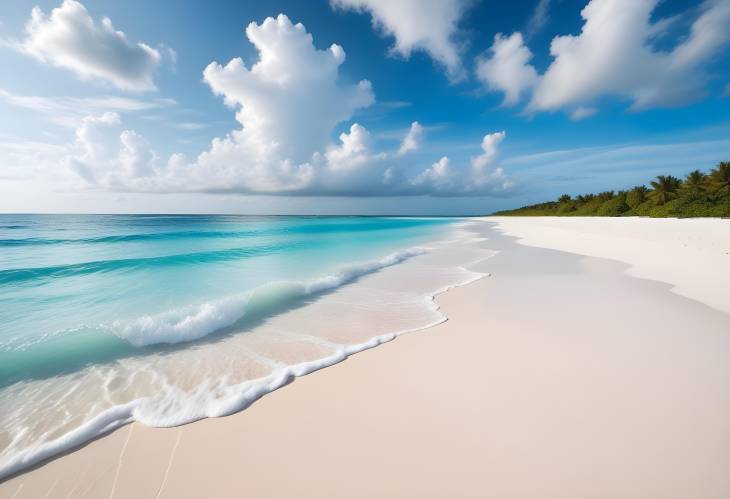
176, 327
250, 391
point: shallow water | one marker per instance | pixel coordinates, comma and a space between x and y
167, 319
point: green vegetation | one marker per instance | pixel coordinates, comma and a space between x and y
698, 195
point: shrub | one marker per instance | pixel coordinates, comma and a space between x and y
566, 207
636, 196
614, 207
699, 195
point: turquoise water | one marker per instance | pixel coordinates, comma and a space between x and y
73, 288
164, 320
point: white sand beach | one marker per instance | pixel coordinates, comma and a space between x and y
592, 362
691, 254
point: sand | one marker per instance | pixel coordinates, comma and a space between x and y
559, 376
691, 254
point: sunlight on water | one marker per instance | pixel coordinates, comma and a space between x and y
169, 319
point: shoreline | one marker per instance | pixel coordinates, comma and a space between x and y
390, 404
119, 416
279, 381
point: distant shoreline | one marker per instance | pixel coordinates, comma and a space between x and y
698, 195
556, 365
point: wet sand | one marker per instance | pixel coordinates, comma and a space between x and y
559, 376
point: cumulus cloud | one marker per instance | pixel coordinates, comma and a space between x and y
287, 104
108, 156
490, 149
482, 177
352, 152
431, 26
105, 154
438, 175
412, 141
71, 39
614, 56
506, 68
485, 173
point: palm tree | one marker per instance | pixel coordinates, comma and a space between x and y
564, 198
636, 196
720, 177
605, 196
665, 188
695, 182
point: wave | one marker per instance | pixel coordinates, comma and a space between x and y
155, 411
22, 275
154, 236
66, 351
208, 234
190, 324
236, 398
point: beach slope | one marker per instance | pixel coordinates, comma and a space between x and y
558, 376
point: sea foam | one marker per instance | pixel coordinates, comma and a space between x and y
215, 398
193, 323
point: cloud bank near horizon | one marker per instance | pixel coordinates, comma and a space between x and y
300, 128
287, 104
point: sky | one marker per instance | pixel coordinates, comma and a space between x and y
412, 107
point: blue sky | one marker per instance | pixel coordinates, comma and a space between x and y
94, 124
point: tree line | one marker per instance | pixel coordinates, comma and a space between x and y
699, 194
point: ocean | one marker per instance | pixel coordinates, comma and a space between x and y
167, 319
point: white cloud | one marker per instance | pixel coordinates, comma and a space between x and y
506, 68
430, 25
290, 99
28, 159
540, 17
70, 111
581, 113
490, 149
69, 38
105, 154
485, 172
613, 56
412, 140
353, 151
438, 175
288, 103
482, 177
351, 167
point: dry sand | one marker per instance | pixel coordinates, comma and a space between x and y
691, 254
557, 377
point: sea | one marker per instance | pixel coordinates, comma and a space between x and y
168, 319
